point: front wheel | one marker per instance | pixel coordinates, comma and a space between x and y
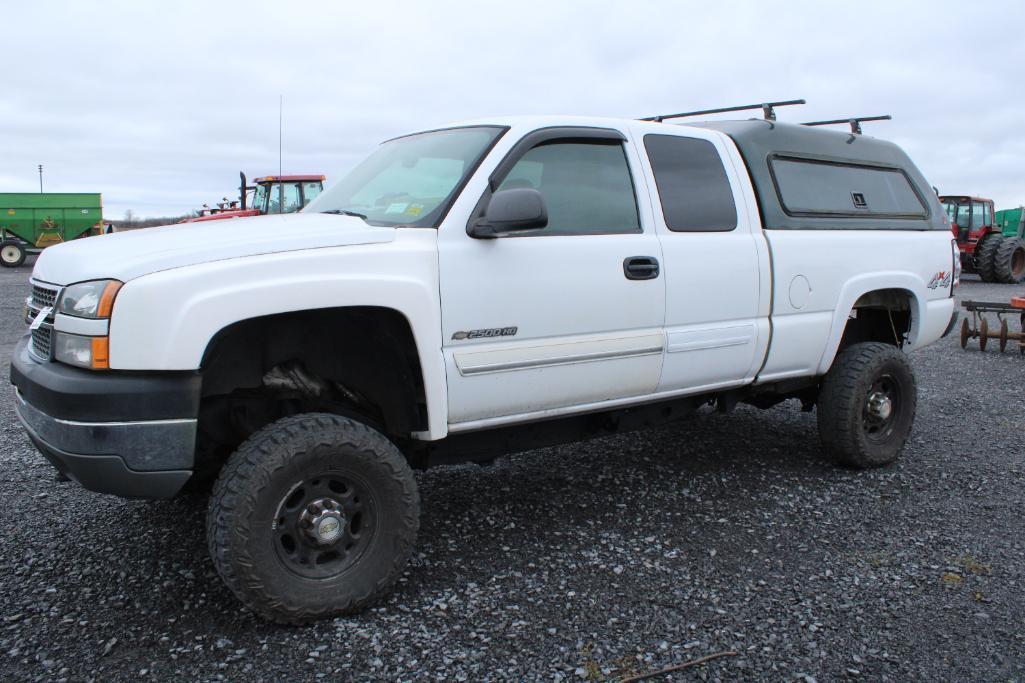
313, 516
866, 405
12, 254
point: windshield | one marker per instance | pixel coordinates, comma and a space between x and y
951, 209
284, 198
960, 214
410, 180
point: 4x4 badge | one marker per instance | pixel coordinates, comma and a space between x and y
940, 279
489, 332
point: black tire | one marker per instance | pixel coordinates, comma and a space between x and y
279, 475
1009, 260
985, 257
849, 405
12, 254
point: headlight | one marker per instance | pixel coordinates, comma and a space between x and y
85, 352
93, 299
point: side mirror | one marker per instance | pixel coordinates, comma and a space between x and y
511, 211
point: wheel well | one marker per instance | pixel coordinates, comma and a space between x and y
360, 362
882, 315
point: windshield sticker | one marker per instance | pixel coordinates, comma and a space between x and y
397, 207
414, 209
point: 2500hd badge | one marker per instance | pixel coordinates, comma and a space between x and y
489, 332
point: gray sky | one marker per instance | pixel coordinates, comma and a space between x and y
159, 105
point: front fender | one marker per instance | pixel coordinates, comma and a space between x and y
165, 320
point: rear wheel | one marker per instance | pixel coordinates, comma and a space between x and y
314, 515
1009, 260
866, 405
985, 257
12, 254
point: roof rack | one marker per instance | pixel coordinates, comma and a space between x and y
768, 110
854, 122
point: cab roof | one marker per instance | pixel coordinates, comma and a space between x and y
962, 198
289, 179
761, 140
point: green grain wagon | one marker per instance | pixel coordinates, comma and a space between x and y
30, 222
1010, 221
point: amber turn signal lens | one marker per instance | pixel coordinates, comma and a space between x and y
107, 299
101, 351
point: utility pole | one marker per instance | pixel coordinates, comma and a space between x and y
40, 179
281, 184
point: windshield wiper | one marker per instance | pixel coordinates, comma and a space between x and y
346, 212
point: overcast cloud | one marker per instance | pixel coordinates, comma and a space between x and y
158, 106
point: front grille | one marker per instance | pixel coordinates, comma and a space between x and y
43, 296
41, 342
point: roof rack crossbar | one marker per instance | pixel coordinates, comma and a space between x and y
768, 110
855, 122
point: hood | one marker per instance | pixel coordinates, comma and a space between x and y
128, 255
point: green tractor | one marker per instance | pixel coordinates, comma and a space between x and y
32, 221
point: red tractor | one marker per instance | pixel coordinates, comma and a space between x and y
270, 194
984, 249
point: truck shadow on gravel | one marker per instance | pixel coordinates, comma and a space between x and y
667, 483
676, 484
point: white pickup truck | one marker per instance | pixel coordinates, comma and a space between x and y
483, 288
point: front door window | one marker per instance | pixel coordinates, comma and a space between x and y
586, 186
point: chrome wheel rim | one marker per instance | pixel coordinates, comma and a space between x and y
881, 408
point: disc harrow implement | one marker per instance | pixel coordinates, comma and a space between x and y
980, 328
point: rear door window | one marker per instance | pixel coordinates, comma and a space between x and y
823, 188
692, 184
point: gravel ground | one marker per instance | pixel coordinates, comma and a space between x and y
618, 556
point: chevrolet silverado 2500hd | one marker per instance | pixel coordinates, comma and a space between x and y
483, 288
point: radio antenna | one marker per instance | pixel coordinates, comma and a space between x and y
281, 185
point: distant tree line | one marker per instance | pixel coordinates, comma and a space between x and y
131, 221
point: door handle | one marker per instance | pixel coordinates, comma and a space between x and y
640, 268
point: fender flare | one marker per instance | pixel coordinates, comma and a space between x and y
860, 285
